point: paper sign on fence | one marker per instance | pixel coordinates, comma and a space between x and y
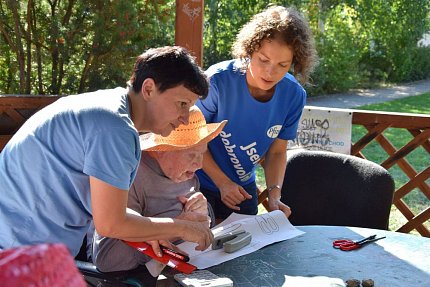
326, 129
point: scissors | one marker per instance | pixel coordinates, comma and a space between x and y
347, 244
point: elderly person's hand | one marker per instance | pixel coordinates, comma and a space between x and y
194, 216
195, 203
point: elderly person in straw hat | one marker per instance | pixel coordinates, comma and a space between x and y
165, 186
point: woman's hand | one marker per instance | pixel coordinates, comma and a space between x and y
277, 204
157, 249
197, 232
233, 194
193, 231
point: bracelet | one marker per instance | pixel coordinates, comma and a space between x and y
269, 189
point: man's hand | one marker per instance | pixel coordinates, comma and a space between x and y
197, 202
194, 216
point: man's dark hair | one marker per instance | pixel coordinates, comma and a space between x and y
169, 67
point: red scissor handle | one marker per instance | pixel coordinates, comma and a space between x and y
347, 244
344, 244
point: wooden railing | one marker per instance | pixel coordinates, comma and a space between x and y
14, 110
376, 124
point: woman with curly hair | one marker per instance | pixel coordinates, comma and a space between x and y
263, 103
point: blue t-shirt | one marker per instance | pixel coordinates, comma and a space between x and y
45, 167
252, 125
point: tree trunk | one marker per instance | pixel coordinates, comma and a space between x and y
85, 71
54, 89
13, 6
28, 40
38, 44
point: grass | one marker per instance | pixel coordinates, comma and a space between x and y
419, 158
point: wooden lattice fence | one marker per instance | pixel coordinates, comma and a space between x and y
376, 124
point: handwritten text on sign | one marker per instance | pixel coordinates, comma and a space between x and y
324, 129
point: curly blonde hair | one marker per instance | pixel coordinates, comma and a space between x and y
281, 23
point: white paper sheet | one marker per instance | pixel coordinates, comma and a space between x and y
317, 281
265, 228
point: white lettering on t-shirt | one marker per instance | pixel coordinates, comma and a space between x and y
250, 151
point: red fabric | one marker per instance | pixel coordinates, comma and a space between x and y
39, 266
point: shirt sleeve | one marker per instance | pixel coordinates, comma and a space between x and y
113, 156
289, 128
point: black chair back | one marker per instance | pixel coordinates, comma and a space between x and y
325, 188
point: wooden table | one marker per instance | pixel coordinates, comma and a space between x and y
398, 260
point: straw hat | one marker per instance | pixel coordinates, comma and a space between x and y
197, 132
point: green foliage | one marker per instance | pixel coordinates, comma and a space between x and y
339, 64
393, 29
420, 59
223, 20
63, 47
360, 42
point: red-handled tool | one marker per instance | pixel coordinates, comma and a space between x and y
166, 258
347, 244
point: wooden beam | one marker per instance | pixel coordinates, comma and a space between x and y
189, 27
396, 120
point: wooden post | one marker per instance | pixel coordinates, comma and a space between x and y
189, 27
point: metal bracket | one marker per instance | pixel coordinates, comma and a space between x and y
232, 241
